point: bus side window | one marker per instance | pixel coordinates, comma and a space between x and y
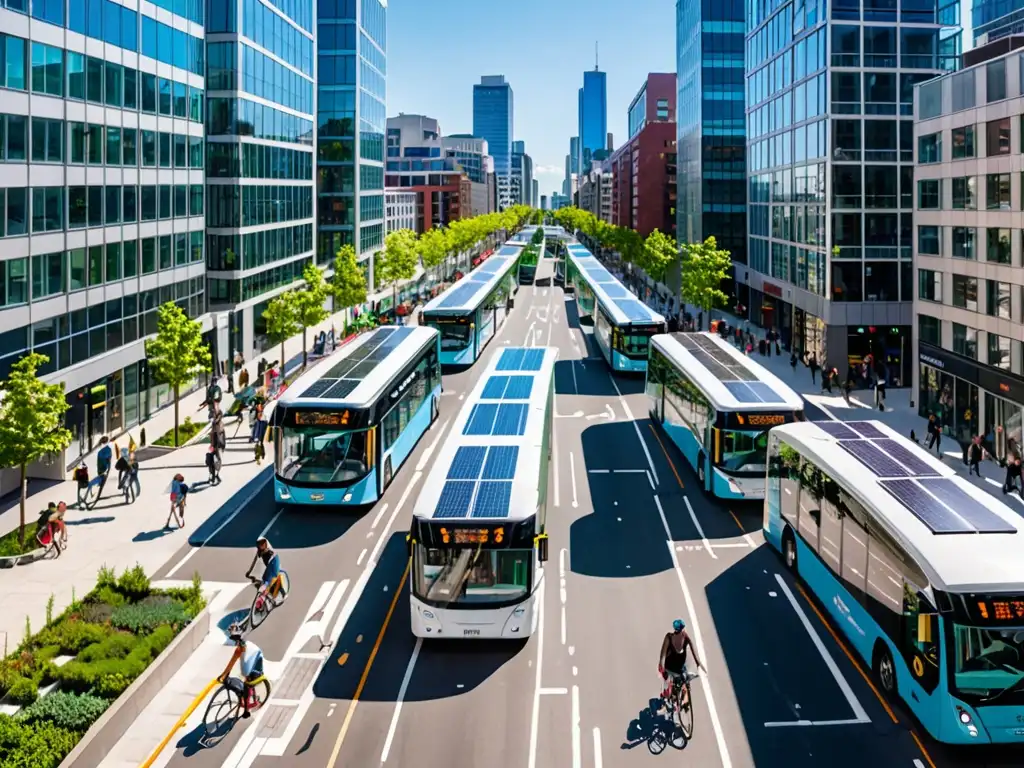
920, 637
810, 503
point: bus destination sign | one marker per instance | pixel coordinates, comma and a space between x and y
753, 421
476, 535
998, 610
320, 418
448, 319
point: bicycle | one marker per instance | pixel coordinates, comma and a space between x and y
227, 702
124, 484
92, 494
674, 704
266, 600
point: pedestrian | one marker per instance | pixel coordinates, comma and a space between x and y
847, 389
81, 477
1013, 482
259, 452
122, 468
768, 345
179, 493
880, 390
776, 336
243, 379
213, 465
104, 457
218, 438
812, 363
133, 473
975, 453
934, 430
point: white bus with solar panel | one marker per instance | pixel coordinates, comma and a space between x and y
922, 571
470, 312
716, 404
623, 325
344, 428
478, 536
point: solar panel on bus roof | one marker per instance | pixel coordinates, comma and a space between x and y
481, 420
966, 506
511, 419
837, 430
455, 498
492, 499
343, 378
917, 466
495, 387
491, 266
501, 462
521, 360
468, 462
742, 392
614, 291
460, 294
925, 508
872, 457
717, 361
342, 388
519, 388
867, 429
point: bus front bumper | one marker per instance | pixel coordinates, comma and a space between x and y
478, 624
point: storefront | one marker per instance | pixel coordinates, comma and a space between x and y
969, 398
808, 334
890, 344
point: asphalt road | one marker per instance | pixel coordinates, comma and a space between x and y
634, 545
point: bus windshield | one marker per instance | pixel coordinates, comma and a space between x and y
321, 455
744, 453
454, 336
467, 576
987, 662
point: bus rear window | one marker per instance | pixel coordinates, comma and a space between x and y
454, 336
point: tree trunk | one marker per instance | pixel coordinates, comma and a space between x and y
282, 357
24, 494
303, 351
394, 302
176, 391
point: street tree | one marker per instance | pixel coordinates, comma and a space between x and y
703, 267
309, 303
177, 355
660, 253
348, 284
282, 320
31, 422
433, 247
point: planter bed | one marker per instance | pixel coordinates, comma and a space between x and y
63, 677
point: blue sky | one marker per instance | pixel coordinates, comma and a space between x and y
438, 50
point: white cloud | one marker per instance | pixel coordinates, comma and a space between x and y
549, 170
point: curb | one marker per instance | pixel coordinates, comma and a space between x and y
115, 722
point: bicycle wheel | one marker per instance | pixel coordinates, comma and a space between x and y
261, 692
223, 709
92, 496
262, 605
684, 715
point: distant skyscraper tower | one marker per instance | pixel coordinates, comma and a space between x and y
492, 120
593, 116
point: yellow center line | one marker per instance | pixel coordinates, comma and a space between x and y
366, 672
920, 746
670, 463
737, 521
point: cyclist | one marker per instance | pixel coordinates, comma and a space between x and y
672, 659
271, 567
251, 663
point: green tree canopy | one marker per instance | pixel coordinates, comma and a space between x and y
659, 253
282, 319
433, 247
177, 355
309, 303
348, 284
703, 267
31, 421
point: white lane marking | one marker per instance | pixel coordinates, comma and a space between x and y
462, 397
577, 758
858, 711
599, 471
362, 555
320, 600
573, 415
696, 524
380, 514
273, 520
650, 479
598, 758
430, 448
529, 335
553, 691
535, 717
629, 418
572, 472
805, 723
401, 698
918, 764
575, 386
221, 527
732, 545
562, 592
723, 749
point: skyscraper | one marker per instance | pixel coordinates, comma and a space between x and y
351, 120
493, 121
993, 19
259, 234
593, 117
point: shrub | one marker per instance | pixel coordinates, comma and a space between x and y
111, 685
106, 578
73, 711
115, 646
72, 635
10, 544
134, 583
83, 676
23, 691
192, 597
34, 745
109, 595
142, 618
186, 431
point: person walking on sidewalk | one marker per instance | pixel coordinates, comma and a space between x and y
975, 453
812, 363
934, 430
880, 390
213, 465
1013, 481
847, 389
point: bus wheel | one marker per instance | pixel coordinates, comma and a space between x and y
700, 471
885, 670
387, 473
789, 550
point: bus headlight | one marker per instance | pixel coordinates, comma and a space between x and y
519, 611
965, 719
428, 615
283, 492
347, 497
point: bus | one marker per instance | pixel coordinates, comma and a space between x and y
478, 538
623, 325
717, 405
528, 262
921, 570
344, 428
470, 312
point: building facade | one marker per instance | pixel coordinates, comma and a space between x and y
351, 81
103, 199
831, 174
593, 118
259, 177
596, 191
969, 300
471, 154
996, 19
522, 175
399, 210
493, 112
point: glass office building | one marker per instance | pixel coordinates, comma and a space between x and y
993, 19
101, 199
493, 120
259, 164
710, 126
351, 90
831, 171
593, 118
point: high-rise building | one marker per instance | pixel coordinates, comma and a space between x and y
831, 175
544, 202
522, 174
995, 19
104, 220
351, 116
260, 212
400, 209
643, 190
969, 300
470, 153
596, 190
535, 196
593, 117
493, 110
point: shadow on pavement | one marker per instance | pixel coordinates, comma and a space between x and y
91, 520
261, 483
655, 729
572, 312
153, 535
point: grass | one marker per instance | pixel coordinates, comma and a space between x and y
186, 431
10, 546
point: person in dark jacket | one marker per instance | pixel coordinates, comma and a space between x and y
213, 465
975, 453
934, 430
812, 363
1013, 477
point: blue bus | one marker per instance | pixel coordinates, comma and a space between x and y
717, 405
344, 428
921, 570
469, 313
623, 325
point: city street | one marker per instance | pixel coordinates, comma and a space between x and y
634, 545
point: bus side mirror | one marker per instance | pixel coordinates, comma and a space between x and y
542, 547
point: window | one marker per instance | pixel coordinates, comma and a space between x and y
148, 83
997, 192
929, 285
963, 142
47, 209
114, 87
148, 149
130, 258
94, 79
149, 256
998, 351
997, 245
113, 205
113, 261
47, 140
17, 211
963, 242
79, 272
962, 86
128, 146
94, 144
113, 146
76, 75
965, 341
997, 299
78, 209
195, 206
165, 150
48, 275
928, 240
997, 136
929, 194
14, 63
965, 292
929, 148
131, 88
164, 197
164, 92
95, 205
17, 137
47, 69
995, 80
965, 194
